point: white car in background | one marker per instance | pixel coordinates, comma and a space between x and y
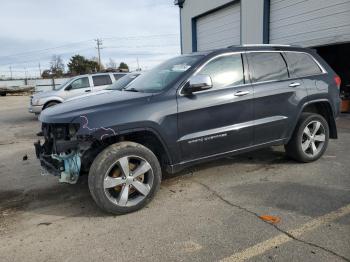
75, 86
117, 85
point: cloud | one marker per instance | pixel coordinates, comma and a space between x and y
148, 29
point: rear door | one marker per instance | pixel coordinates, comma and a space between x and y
101, 82
217, 120
276, 96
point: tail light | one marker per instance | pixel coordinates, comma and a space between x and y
337, 81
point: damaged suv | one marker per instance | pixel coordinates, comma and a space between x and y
190, 109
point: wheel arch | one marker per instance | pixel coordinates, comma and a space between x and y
322, 107
147, 137
50, 101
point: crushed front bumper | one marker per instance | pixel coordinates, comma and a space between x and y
48, 164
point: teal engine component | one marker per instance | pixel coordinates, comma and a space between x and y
72, 165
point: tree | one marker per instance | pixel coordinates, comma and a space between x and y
56, 66
123, 67
79, 65
46, 73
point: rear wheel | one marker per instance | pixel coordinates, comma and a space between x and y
310, 138
124, 177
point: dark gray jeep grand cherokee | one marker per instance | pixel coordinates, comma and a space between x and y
190, 109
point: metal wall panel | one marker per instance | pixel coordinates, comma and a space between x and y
219, 29
309, 22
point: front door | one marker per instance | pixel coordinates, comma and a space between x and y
78, 87
217, 120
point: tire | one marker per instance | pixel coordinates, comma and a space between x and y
50, 104
109, 191
307, 146
2, 93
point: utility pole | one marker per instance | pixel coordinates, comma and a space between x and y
39, 70
138, 64
99, 43
11, 72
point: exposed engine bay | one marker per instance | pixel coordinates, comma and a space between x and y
62, 151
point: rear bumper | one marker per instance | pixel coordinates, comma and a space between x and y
35, 109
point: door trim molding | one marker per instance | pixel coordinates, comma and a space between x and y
235, 127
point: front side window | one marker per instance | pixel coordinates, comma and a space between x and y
101, 80
80, 83
302, 64
267, 66
225, 71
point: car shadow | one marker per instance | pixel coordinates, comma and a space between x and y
64, 200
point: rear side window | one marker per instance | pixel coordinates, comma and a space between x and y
267, 66
101, 80
225, 71
301, 64
118, 76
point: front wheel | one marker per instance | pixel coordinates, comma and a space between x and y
50, 104
310, 138
124, 177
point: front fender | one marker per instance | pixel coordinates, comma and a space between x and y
46, 100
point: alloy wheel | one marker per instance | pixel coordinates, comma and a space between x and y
128, 181
313, 138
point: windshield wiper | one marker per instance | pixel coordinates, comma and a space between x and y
131, 90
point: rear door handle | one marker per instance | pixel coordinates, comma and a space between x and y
242, 93
87, 91
294, 84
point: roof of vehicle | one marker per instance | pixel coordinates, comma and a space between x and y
256, 47
122, 73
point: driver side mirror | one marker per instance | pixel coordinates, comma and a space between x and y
68, 88
197, 83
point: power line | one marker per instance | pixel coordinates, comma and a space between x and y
141, 37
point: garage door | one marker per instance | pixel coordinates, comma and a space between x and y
309, 23
219, 29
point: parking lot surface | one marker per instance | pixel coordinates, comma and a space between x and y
209, 212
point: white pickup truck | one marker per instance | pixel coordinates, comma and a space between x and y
75, 86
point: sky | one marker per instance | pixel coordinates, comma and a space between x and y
32, 31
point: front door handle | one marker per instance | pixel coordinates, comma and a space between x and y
294, 84
87, 91
242, 93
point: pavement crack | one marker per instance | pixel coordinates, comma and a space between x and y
272, 225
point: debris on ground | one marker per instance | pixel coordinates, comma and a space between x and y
270, 219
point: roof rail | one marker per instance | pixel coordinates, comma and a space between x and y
247, 45
265, 45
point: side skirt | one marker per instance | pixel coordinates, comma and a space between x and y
180, 166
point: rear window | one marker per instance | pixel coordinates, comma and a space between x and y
118, 76
301, 64
267, 66
101, 80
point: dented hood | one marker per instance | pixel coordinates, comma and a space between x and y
100, 106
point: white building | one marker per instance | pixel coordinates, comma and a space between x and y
321, 24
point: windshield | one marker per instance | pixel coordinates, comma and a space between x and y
58, 87
161, 76
122, 82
